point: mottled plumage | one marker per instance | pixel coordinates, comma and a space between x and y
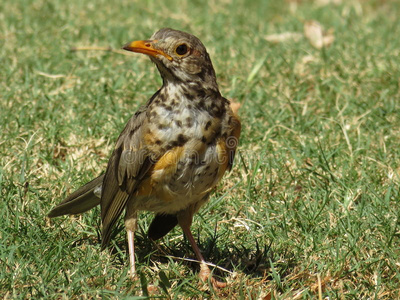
172, 152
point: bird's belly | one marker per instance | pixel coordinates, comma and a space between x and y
187, 182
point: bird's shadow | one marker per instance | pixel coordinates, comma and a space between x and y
253, 261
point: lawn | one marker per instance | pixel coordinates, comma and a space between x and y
311, 208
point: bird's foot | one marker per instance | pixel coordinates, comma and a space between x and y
205, 274
132, 272
133, 277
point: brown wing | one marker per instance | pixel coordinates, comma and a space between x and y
126, 168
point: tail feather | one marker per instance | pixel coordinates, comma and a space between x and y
161, 225
83, 199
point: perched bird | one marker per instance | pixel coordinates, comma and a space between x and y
173, 151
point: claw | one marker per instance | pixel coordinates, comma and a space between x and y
205, 274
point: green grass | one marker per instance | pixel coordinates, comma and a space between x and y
314, 193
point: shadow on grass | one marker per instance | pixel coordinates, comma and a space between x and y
253, 259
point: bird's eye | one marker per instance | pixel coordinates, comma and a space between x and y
182, 49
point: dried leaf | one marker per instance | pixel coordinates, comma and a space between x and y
314, 32
283, 37
267, 297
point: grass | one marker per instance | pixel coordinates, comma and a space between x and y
311, 208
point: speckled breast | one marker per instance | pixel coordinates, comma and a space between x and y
191, 157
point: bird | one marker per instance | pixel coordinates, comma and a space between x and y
172, 152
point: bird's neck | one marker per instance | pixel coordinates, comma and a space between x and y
175, 97
191, 88
192, 93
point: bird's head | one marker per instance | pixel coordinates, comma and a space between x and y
179, 56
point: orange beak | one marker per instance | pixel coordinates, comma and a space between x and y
145, 47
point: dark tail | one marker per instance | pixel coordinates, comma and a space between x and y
79, 201
161, 225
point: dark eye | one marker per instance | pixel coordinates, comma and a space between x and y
182, 49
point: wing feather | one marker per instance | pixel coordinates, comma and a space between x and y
127, 167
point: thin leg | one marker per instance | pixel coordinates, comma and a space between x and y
188, 233
205, 272
131, 247
130, 226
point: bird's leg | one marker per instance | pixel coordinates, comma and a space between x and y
185, 220
131, 246
130, 226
